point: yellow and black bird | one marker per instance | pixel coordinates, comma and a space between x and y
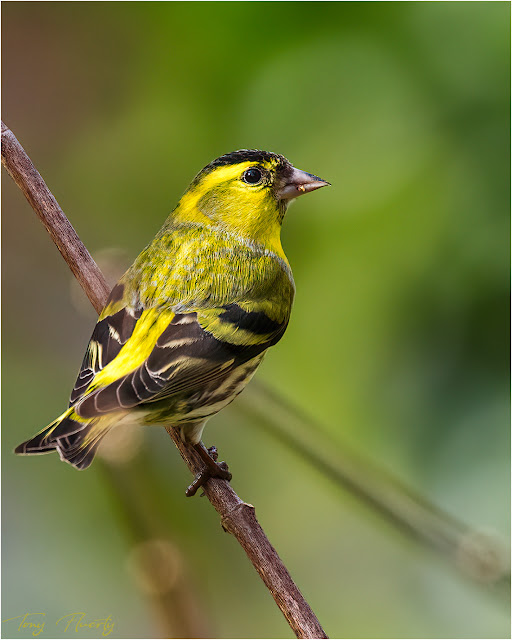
187, 325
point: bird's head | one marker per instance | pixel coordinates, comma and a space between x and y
246, 192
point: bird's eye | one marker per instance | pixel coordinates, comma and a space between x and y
252, 176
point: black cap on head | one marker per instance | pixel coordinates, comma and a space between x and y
244, 155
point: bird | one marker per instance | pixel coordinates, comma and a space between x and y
185, 328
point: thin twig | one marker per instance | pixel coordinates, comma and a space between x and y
237, 517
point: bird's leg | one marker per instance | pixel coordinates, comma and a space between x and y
211, 469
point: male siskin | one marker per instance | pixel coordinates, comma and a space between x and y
187, 325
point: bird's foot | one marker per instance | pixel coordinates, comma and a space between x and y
211, 469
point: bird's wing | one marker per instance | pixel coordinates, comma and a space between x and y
167, 354
113, 329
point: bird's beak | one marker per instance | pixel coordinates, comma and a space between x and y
298, 182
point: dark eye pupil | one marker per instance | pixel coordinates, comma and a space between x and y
252, 176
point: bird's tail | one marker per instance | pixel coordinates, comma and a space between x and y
75, 440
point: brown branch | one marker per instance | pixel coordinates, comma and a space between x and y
237, 517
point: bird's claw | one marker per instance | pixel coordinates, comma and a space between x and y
198, 481
224, 467
212, 469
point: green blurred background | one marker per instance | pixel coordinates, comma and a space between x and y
399, 339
